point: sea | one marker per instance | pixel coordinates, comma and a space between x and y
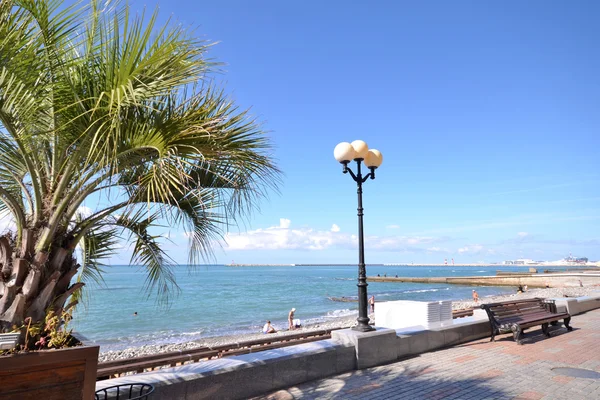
219, 300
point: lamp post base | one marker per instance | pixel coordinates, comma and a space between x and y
362, 327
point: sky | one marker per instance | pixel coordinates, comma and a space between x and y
486, 114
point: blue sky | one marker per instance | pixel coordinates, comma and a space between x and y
486, 115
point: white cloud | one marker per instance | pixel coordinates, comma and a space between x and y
7, 223
83, 211
522, 234
472, 248
282, 237
435, 249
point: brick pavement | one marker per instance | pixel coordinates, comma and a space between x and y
477, 370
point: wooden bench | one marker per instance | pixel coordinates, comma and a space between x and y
517, 315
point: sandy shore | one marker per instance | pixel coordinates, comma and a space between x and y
342, 322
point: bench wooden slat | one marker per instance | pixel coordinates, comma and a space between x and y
509, 302
521, 313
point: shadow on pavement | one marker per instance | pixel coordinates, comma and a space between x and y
382, 383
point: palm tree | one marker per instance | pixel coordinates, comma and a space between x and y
98, 105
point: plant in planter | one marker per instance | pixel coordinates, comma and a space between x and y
66, 374
53, 333
97, 105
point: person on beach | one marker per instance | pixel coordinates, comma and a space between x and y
291, 325
475, 296
268, 328
372, 303
520, 289
525, 288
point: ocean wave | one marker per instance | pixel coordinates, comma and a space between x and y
425, 290
143, 339
340, 313
345, 279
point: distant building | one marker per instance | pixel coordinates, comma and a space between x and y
522, 261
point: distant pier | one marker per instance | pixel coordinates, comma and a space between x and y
531, 280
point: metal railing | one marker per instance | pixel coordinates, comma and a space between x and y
111, 369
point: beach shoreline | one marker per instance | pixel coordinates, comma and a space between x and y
333, 323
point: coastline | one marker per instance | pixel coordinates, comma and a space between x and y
334, 323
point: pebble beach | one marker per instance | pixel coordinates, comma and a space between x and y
334, 323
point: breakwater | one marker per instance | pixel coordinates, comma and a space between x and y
531, 280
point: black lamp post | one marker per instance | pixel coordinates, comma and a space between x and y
359, 152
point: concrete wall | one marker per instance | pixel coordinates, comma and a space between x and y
246, 375
578, 305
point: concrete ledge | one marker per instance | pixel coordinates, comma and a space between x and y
578, 305
420, 339
246, 375
371, 348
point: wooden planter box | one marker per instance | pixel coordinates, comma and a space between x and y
67, 374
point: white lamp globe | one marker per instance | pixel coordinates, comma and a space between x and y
344, 152
374, 158
360, 148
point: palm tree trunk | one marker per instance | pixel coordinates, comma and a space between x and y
31, 285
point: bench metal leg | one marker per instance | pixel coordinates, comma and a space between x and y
554, 323
545, 329
493, 330
517, 331
567, 322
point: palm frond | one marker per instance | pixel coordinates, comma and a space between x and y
147, 251
96, 247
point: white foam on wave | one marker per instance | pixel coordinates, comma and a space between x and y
340, 313
156, 338
425, 290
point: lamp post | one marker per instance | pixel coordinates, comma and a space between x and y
345, 153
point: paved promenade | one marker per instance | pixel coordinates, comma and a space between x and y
477, 370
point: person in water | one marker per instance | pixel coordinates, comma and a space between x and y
475, 296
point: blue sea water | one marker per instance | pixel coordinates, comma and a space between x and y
220, 300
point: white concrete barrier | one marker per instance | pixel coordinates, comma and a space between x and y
404, 313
